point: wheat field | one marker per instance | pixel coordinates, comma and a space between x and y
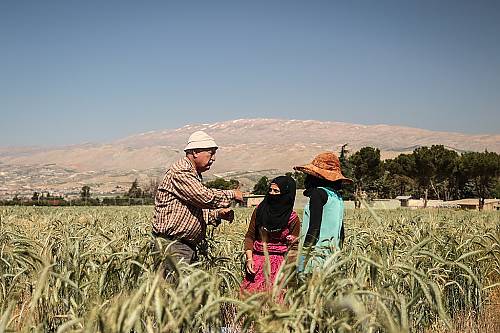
84, 269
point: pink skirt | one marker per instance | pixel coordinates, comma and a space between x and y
264, 277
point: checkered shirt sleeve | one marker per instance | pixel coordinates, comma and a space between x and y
184, 206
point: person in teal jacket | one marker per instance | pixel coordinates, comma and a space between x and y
322, 225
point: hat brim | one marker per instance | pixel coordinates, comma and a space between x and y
201, 145
322, 173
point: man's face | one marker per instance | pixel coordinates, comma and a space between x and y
203, 159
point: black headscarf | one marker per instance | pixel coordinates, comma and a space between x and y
311, 182
274, 211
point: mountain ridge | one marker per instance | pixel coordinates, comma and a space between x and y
246, 145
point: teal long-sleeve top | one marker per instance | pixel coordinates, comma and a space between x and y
323, 217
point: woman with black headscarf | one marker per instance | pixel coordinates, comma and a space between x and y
274, 228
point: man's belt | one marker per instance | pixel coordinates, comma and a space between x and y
175, 239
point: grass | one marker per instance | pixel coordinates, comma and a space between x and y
84, 269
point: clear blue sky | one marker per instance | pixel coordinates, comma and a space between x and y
78, 71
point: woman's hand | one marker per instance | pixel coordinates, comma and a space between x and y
249, 267
291, 239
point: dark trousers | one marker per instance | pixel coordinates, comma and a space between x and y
173, 253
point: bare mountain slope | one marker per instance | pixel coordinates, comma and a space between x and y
246, 145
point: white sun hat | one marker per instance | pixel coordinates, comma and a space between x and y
200, 140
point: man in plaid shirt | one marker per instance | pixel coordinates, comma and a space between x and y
184, 206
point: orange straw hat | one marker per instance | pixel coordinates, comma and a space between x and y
325, 165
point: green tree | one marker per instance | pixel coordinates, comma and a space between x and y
435, 170
135, 191
35, 196
344, 161
445, 165
85, 192
151, 189
401, 172
222, 184
366, 168
348, 190
262, 186
299, 178
424, 170
482, 170
496, 192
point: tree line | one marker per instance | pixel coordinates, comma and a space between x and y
428, 172
134, 196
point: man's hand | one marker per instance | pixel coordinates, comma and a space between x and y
238, 195
226, 214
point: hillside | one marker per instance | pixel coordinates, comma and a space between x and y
248, 149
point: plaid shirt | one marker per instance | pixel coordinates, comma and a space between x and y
184, 206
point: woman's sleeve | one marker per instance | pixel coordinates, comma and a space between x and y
317, 200
294, 247
295, 227
250, 235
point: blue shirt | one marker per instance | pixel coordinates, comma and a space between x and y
331, 226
